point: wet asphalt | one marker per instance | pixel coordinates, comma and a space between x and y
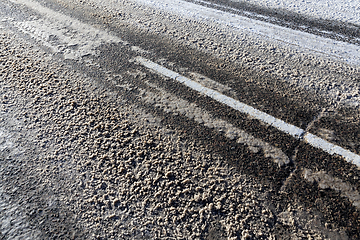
292, 107
253, 88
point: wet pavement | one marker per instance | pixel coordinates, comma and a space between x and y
95, 145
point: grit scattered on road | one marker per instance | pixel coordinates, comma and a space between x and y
344, 11
298, 66
77, 161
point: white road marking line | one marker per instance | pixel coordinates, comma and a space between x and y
68, 36
85, 38
254, 113
172, 104
242, 107
332, 149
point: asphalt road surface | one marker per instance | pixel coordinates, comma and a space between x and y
140, 119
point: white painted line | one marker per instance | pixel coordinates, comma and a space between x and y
170, 103
86, 38
290, 129
241, 107
328, 147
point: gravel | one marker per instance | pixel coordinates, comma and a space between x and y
114, 168
344, 11
301, 67
78, 161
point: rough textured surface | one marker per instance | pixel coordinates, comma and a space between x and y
300, 68
345, 11
82, 163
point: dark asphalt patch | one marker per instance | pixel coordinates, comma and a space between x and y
116, 58
337, 30
257, 89
264, 169
328, 202
238, 155
316, 159
340, 127
333, 207
253, 126
253, 88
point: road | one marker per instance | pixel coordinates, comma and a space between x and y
178, 120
